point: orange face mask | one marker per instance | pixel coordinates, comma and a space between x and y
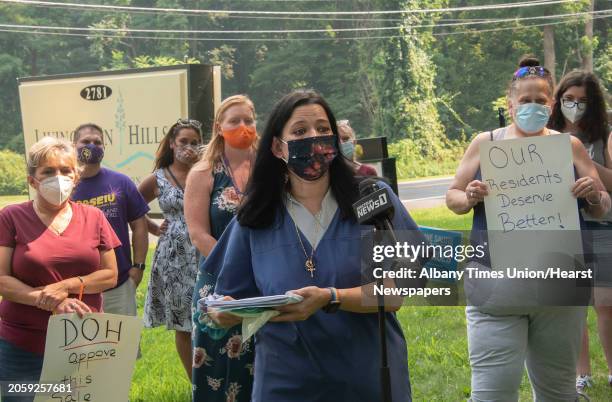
241, 137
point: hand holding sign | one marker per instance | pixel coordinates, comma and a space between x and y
475, 192
85, 352
530, 182
531, 188
71, 305
585, 188
51, 296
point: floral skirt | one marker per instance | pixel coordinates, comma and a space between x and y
222, 366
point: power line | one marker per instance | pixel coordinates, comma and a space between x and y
217, 12
289, 31
174, 38
260, 17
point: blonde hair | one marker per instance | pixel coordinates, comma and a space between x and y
211, 152
49, 148
345, 127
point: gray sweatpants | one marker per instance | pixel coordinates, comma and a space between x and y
544, 339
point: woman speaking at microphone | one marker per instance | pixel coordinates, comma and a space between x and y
296, 231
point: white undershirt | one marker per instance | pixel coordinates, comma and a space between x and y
311, 226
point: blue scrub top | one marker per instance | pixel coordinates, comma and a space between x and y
328, 357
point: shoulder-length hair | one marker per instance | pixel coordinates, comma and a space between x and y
164, 156
268, 182
48, 149
594, 122
212, 152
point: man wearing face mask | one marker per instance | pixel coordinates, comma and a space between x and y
117, 196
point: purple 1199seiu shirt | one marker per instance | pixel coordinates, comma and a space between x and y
117, 196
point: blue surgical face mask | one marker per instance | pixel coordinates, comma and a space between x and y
348, 149
532, 117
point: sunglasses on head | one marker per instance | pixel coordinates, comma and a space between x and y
537, 71
189, 123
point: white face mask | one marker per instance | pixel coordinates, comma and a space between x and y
57, 189
573, 114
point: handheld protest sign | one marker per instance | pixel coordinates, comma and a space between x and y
529, 181
90, 354
532, 217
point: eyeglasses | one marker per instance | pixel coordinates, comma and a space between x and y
568, 103
537, 71
189, 123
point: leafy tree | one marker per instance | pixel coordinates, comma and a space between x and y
429, 87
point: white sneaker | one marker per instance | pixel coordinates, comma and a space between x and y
583, 381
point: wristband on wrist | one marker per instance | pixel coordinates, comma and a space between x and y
139, 265
82, 287
334, 302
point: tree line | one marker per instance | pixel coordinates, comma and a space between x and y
433, 81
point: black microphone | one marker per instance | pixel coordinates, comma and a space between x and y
374, 206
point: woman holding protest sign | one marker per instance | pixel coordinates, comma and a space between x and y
174, 267
56, 256
580, 109
296, 231
222, 364
503, 339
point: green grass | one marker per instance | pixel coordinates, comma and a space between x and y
11, 199
415, 170
441, 217
436, 337
159, 374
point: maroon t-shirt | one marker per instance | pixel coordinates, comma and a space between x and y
41, 257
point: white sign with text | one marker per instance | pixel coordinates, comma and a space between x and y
529, 182
95, 355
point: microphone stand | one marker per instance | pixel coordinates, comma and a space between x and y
385, 373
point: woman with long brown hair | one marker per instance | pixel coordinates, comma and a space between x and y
222, 364
174, 268
580, 110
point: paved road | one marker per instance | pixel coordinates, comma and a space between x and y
425, 193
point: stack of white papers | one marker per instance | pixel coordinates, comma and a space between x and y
255, 311
251, 302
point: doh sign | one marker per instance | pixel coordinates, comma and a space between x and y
85, 352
